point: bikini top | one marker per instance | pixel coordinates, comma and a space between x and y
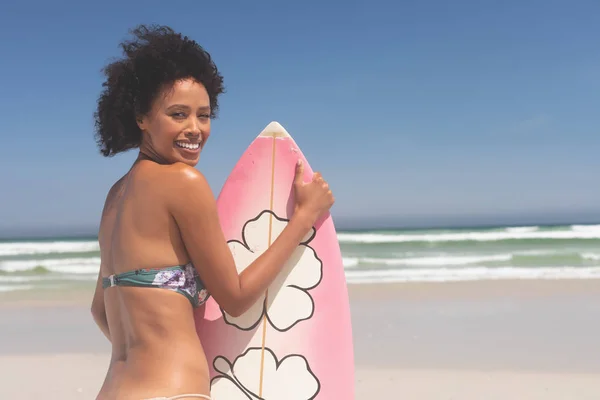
183, 279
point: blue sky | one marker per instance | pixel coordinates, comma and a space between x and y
418, 113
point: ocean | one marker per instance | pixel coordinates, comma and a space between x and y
370, 256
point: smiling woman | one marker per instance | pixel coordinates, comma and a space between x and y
160, 227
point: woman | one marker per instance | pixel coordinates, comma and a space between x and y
160, 220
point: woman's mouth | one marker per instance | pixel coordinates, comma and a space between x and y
193, 147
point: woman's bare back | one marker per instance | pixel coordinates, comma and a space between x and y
137, 232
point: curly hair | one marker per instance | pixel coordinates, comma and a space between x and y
157, 56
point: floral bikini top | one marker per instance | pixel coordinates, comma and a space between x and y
183, 279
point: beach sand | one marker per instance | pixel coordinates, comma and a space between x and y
485, 340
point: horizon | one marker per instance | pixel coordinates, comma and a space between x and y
344, 226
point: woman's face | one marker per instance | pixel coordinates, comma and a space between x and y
178, 124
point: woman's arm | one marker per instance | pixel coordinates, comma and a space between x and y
98, 309
195, 210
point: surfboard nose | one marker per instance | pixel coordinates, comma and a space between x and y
274, 129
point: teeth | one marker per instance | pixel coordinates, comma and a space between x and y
185, 145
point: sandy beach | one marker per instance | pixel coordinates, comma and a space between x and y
527, 339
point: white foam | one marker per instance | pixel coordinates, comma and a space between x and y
470, 274
468, 236
18, 248
67, 265
585, 228
591, 256
519, 229
22, 279
46, 278
441, 260
15, 287
350, 262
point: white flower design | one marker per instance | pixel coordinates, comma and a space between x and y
288, 301
288, 379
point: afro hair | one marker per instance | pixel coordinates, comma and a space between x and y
155, 58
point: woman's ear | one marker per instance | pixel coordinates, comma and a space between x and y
141, 123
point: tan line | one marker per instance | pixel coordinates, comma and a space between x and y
264, 332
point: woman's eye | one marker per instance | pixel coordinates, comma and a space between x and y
178, 115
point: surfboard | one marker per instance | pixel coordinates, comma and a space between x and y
295, 342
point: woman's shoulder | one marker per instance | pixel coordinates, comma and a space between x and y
172, 179
183, 172
182, 175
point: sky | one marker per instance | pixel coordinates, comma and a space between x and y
427, 113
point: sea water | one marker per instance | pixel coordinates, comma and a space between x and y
369, 256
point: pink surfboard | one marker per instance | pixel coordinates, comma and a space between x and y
295, 343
